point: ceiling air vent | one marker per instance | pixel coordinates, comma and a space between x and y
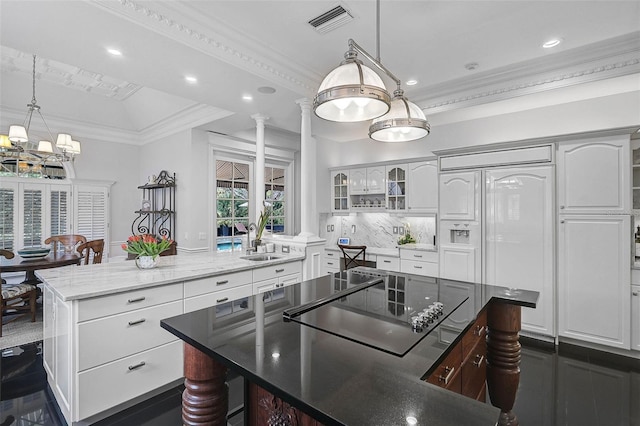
331, 20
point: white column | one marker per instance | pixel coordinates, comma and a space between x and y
308, 209
259, 175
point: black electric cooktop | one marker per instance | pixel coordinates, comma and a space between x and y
386, 311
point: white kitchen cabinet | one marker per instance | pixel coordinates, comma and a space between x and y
419, 262
594, 274
340, 191
519, 238
422, 187
388, 263
593, 176
367, 180
459, 196
396, 187
459, 262
275, 276
635, 317
331, 262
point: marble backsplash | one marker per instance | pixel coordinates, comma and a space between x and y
375, 229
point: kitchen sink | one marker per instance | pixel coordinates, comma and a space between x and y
260, 257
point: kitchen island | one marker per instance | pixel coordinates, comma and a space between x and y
104, 349
341, 350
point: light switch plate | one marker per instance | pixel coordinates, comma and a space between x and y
395, 230
401, 230
285, 249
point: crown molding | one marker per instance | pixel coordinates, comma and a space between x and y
599, 61
184, 26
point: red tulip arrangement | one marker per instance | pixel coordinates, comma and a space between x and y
146, 245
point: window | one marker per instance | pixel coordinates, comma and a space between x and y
7, 218
274, 195
232, 203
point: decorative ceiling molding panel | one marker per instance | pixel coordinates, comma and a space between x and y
14, 61
276, 69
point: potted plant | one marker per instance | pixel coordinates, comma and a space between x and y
147, 248
262, 223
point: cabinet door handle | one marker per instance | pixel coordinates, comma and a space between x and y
635, 293
139, 299
449, 371
279, 270
222, 282
479, 330
562, 221
561, 207
140, 321
224, 299
478, 361
136, 366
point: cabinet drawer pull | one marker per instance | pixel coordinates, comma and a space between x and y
224, 299
386, 261
329, 263
139, 299
479, 330
478, 361
417, 267
279, 270
330, 254
140, 321
449, 371
418, 255
135, 367
222, 282
635, 293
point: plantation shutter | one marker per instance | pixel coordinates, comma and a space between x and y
91, 212
8, 224
59, 205
32, 216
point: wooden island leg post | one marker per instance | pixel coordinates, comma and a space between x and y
503, 359
205, 398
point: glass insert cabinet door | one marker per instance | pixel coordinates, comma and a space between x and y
396, 187
340, 191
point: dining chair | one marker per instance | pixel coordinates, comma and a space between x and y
352, 256
20, 298
66, 243
7, 254
91, 251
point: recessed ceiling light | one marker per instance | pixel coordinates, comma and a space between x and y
247, 97
412, 82
412, 420
275, 355
114, 52
190, 79
552, 43
266, 90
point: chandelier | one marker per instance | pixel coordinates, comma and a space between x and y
22, 154
354, 92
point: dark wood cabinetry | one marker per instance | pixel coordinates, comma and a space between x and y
464, 368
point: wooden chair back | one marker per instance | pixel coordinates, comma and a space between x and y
24, 296
65, 242
91, 251
352, 256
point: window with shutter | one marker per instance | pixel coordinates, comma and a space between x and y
7, 222
32, 217
59, 211
91, 212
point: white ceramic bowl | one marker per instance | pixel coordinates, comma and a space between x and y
33, 252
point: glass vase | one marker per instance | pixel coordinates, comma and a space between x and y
146, 262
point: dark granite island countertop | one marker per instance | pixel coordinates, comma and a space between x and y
334, 362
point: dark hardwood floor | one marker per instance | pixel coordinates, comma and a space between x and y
568, 386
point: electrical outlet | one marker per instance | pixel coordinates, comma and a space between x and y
395, 230
285, 249
401, 230
328, 228
353, 229
331, 228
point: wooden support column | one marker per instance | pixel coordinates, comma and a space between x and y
205, 399
503, 359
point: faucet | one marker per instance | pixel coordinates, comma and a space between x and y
250, 248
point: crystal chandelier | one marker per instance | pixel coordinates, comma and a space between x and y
22, 154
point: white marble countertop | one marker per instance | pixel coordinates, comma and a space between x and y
85, 281
390, 251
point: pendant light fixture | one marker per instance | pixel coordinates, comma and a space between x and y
353, 92
19, 134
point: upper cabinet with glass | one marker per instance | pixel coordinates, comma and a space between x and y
340, 191
397, 187
635, 158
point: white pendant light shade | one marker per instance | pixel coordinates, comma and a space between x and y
64, 141
405, 121
45, 146
75, 148
18, 134
4, 141
350, 93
